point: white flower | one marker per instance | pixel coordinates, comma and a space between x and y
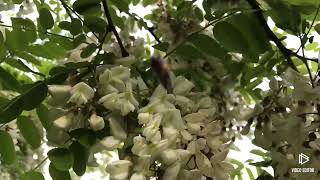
120, 72
96, 122
169, 156
119, 170
171, 172
151, 130
116, 128
60, 94
109, 101
81, 93
182, 86
108, 143
204, 164
144, 118
173, 117
139, 146
64, 122
194, 174
137, 176
143, 164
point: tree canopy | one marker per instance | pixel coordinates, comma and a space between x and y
161, 89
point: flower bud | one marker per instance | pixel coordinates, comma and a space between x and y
96, 122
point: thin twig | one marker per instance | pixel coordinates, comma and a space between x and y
259, 15
309, 30
306, 63
79, 17
196, 32
113, 29
150, 29
38, 165
65, 6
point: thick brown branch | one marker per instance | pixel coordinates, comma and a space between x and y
113, 29
259, 15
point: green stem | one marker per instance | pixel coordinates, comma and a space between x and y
38, 165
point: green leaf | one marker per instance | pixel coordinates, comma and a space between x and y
75, 27
121, 5
28, 57
250, 174
84, 136
95, 24
208, 45
88, 51
34, 95
230, 37
258, 41
58, 75
45, 18
317, 28
163, 46
16, 63
1, 39
29, 131
32, 176
188, 52
49, 50
10, 111
61, 158
81, 155
86, 7
8, 81
57, 174
7, 151
43, 115
25, 29
148, 2
66, 25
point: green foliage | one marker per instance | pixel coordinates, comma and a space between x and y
7, 151
230, 37
32, 176
29, 131
81, 155
61, 158
46, 19
58, 174
86, 56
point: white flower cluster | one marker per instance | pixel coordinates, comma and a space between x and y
188, 143
181, 135
116, 84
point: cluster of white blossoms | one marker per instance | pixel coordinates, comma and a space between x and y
184, 143
183, 135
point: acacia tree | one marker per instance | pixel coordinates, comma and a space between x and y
75, 75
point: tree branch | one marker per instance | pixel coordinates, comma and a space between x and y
65, 6
150, 29
113, 29
259, 15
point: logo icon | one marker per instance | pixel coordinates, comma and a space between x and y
303, 158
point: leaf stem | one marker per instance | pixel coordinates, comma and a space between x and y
38, 165
113, 28
150, 29
259, 15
